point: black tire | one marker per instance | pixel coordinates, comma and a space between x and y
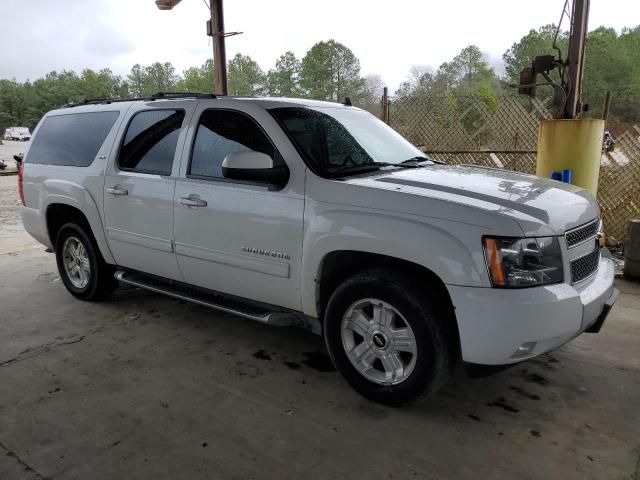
435, 354
101, 280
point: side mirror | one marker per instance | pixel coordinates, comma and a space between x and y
253, 166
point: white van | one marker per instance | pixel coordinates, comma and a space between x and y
17, 133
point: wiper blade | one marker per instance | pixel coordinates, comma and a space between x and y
372, 166
418, 160
366, 167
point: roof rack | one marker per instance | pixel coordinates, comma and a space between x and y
150, 98
161, 95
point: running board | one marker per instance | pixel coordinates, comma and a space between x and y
209, 299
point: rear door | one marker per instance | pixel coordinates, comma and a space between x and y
139, 187
238, 237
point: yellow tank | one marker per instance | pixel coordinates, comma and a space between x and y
571, 144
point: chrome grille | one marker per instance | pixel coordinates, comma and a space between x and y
582, 233
583, 267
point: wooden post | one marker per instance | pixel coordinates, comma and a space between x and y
385, 105
605, 107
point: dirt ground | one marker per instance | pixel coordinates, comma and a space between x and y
144, 386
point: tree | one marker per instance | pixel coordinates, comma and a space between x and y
420, 78
12, 104
198, 79
283, 80
101, 84
371, 98
245, 77
150, 79
330, 71
612, 62
136, 81
159, 77
468, 71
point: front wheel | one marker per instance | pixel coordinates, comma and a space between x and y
386, 338
82, 270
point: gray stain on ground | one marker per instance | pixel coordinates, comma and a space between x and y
262, 355
502, 403
523, 393
292, 365
319, 361
534, 377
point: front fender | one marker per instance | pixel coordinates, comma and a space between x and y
69, 193
446, 248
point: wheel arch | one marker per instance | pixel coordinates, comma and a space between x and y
339, 265
59, 212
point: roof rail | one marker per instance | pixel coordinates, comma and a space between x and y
150, 98
98, 101
168, 95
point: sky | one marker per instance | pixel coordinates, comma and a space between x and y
38, 36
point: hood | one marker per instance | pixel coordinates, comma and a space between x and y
540, 206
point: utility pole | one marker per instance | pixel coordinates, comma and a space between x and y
577, 40
216, 30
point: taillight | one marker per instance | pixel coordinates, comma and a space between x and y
20, 178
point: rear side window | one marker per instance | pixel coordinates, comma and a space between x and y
72, 139
150, 142
221, 132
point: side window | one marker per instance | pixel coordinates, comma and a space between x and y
150, 142
221, 132
71, 139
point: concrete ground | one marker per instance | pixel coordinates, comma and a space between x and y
148, 387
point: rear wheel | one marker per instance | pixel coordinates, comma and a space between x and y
82, 269
386, 338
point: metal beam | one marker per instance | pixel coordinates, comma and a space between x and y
577, 40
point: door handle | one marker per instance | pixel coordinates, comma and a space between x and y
192, 201
117, 191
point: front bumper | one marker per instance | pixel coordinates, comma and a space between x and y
495, 323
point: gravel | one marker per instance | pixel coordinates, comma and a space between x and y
9, 201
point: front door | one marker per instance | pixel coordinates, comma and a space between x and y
139, 186
231, 236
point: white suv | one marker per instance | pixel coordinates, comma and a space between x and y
294, 212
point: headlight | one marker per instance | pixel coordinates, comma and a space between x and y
523, 262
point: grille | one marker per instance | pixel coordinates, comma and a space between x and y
582, 267
580, 234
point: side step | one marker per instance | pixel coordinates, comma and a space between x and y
210, 299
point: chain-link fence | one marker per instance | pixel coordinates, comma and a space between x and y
471, 123
619, 184
502, 132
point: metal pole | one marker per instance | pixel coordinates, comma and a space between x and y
607, 103
577, 38
219, 53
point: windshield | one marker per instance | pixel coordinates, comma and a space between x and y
339, 141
